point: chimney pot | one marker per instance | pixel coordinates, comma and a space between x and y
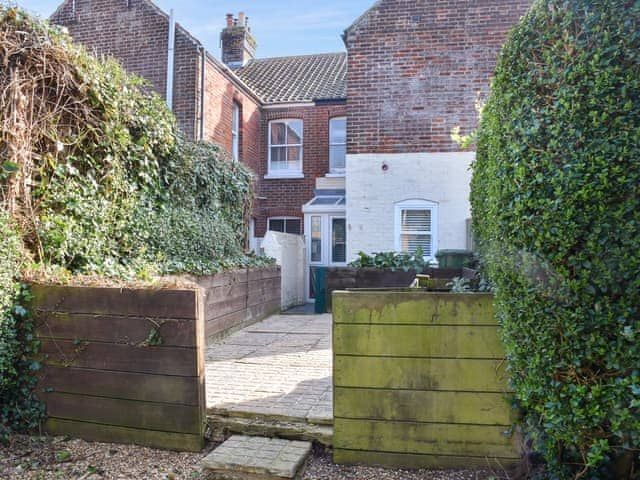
238, 44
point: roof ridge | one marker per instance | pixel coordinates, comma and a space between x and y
306, 55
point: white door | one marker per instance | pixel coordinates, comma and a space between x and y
326, 237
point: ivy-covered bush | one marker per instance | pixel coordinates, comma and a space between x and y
19, 408
98, 177
556, 208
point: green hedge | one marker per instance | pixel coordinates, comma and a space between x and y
19, 408
556, 208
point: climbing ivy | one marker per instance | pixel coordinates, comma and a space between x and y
556, 210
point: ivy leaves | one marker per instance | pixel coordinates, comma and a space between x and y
557, 215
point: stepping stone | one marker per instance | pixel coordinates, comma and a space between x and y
258, 458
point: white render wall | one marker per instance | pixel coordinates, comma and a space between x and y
372, 193
289, 252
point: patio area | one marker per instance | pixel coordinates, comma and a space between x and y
279, 369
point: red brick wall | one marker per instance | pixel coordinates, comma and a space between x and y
285, 197
416, 68
220, 95
137, 35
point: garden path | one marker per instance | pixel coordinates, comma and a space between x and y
279, 368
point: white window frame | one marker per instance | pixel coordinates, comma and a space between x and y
329, 242
332, 169
235, 131
417, 204
297, 173
285, 219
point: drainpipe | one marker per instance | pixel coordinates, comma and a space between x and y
170, 48
203, 71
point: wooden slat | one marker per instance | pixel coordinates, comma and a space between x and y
264, 273
114, 329
424, 438
420, 374
408, 460
222, 278
424, 340
224, 307
264, 290
217, 325
108, 356
113, 434
163, 303
123, 413
413, 308
124, 385
423, 406
224, 292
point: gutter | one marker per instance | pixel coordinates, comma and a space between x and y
203, 72
170, 58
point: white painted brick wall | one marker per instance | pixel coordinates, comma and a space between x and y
372, 194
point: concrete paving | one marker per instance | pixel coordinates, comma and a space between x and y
279, 368
259, 458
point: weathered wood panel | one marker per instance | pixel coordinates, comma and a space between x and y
425, 438
423, 406
164, 417
419, 341
117, 357
113, 434
161, 303
403, 460
122, 330
467, 375
123, 365
112, 384
420, 381
414, 308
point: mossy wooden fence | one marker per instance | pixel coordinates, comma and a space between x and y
127, 365
419, 381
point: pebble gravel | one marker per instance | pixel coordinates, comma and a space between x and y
55, 458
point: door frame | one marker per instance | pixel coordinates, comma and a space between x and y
326, 222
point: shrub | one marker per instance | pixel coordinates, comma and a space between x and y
391, 260
556, 209
19, 408
98, 177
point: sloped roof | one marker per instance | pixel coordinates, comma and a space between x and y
303, 78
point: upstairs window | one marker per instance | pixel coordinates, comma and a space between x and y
285, 148
416, 227
235, 132
337, 144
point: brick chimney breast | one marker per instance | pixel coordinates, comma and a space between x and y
238, 45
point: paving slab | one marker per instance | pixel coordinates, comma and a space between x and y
243, 457
279, 368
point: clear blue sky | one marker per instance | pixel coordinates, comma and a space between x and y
283, 27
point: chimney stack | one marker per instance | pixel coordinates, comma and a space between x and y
238, 45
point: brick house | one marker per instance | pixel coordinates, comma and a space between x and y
416, 69
279, 116
353, 150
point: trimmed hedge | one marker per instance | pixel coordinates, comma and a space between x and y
556, 207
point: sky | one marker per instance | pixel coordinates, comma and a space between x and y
283, 27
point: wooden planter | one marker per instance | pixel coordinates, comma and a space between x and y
419, 381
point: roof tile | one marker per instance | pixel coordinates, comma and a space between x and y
302, 78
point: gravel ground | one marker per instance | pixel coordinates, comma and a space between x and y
44, 458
